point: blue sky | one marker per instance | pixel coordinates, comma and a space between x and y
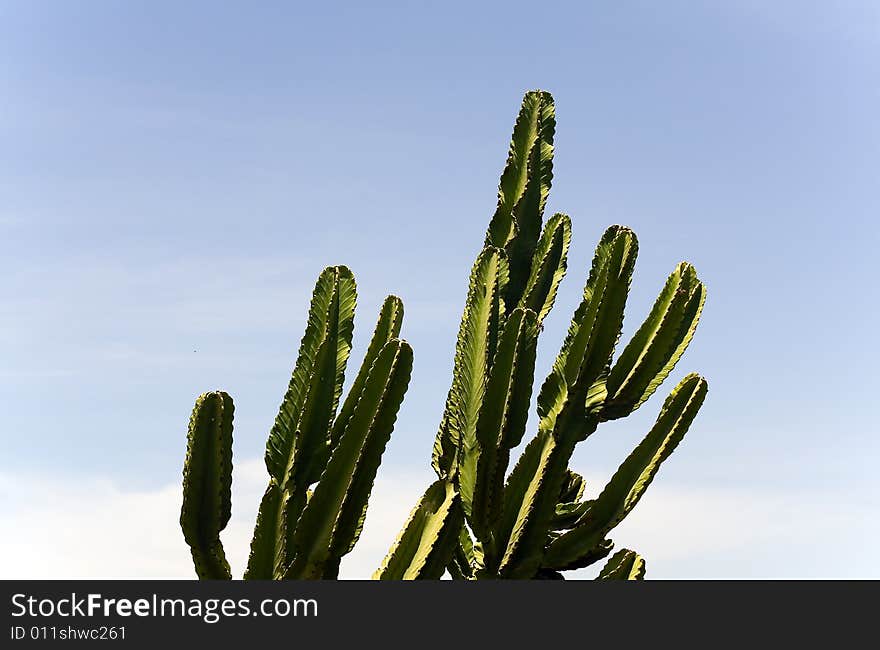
173, 178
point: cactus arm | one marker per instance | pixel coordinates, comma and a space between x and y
261, 561
387, 328
314, 438
502, 419
657, 345
329, 522
425, 546
311, 448
207, 483
335, 285
519, 495
298, 444
585, 356
523, 189
535, 121
477, 341
631, 480
623, 565
548, 267
529, 505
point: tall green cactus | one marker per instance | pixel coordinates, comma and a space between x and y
322, 459
534, 523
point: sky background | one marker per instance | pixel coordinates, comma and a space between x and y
174, 176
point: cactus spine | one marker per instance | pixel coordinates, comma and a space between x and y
533, 523
322, 459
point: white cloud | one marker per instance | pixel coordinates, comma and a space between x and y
92, 528
730, 533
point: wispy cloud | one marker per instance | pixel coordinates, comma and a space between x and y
739, 533
91, 528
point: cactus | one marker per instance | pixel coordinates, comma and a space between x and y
534, 523
477, 520
322, 459
623, 565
